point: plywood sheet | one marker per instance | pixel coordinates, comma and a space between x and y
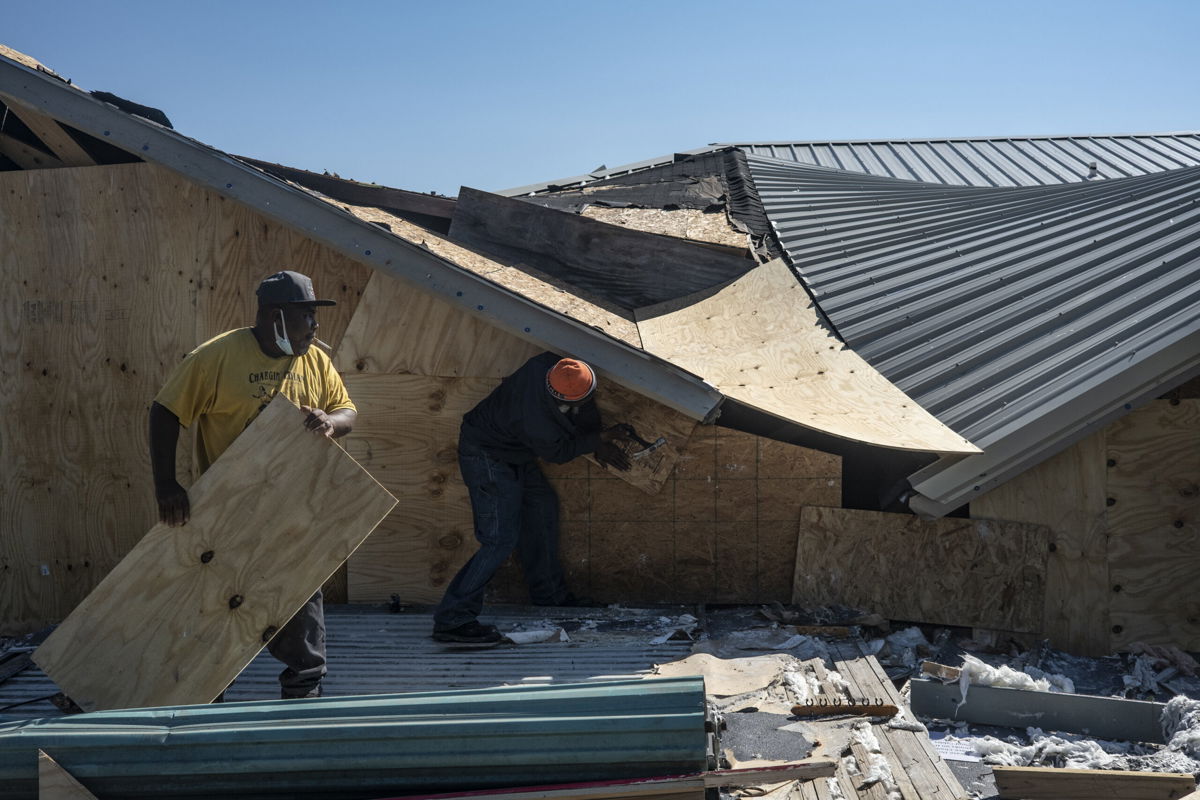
407, 436
401, 330
1154, 524
980, 573
55, 783
1066, 493
102, 287
189, 607
758, 339
515, 276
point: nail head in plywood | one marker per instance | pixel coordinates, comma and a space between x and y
759, 340
948, 571
1154, 527
1067, 494
281, 509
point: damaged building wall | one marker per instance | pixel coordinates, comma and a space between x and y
114, 274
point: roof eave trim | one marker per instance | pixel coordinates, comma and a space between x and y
950, 482
359, 240
580, 180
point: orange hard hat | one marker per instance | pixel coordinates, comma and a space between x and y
570, 380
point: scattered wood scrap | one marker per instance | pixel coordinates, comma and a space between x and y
834, 708
940, 671
1048, 783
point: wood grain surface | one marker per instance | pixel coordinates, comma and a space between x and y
758, 340
55, 783
188, 608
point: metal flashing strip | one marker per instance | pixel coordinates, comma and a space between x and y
625, 169
1099, 717
356, 239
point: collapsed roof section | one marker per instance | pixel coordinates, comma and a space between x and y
512, 285
1022, 317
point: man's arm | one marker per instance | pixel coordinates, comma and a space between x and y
174, 508
333, 425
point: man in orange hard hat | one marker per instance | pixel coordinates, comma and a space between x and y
546, 409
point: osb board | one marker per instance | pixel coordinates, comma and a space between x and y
407, 436
721, 530
189, 607
758, 339
401, 330
651, 421
682, 223
1066, 493
1154, 524
973, 573
516, 277
55, 783
102, 285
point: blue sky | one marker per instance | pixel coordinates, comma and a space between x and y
431, 96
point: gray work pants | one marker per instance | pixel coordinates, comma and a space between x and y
301, 647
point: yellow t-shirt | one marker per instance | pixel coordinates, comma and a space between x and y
225, 382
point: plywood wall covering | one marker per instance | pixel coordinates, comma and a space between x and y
1067, 494
1153, 458
981, 573
112, 274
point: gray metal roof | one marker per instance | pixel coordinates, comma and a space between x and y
966, 161
1022, 317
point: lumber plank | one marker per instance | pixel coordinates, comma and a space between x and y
628, 267
1048, 783
759, 340
60, 143
1154, 525
1067, 494
25, 156
187, 609
908, 567
400, 330
55, 783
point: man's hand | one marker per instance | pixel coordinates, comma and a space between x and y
174, 508
610, 454
317, 421
621, 432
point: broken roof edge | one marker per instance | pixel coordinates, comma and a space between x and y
923, 139
953, 481
599, 175
357, 239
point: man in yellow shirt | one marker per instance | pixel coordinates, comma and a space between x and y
221, 387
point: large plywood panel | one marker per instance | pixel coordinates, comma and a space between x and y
978, 573
759, 340
1066, 493
400, 330
189, 607
407, 436
1154, 524
102, 285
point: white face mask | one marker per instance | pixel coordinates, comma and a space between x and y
281, 337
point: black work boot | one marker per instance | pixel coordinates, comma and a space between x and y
470, 632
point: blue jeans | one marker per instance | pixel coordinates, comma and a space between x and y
514, 506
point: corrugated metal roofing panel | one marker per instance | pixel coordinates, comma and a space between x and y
991, 306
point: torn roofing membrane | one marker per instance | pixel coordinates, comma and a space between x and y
1022, 317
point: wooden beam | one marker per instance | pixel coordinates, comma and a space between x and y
188, 608
57, 140
55, 783
1047, 783
26, 157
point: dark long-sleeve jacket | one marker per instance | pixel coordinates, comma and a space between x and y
520, 420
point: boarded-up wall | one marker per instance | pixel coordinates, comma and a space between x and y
112, 274
721, 528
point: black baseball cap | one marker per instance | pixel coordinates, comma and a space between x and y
286, 288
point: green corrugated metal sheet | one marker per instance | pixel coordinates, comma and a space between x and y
362, 747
